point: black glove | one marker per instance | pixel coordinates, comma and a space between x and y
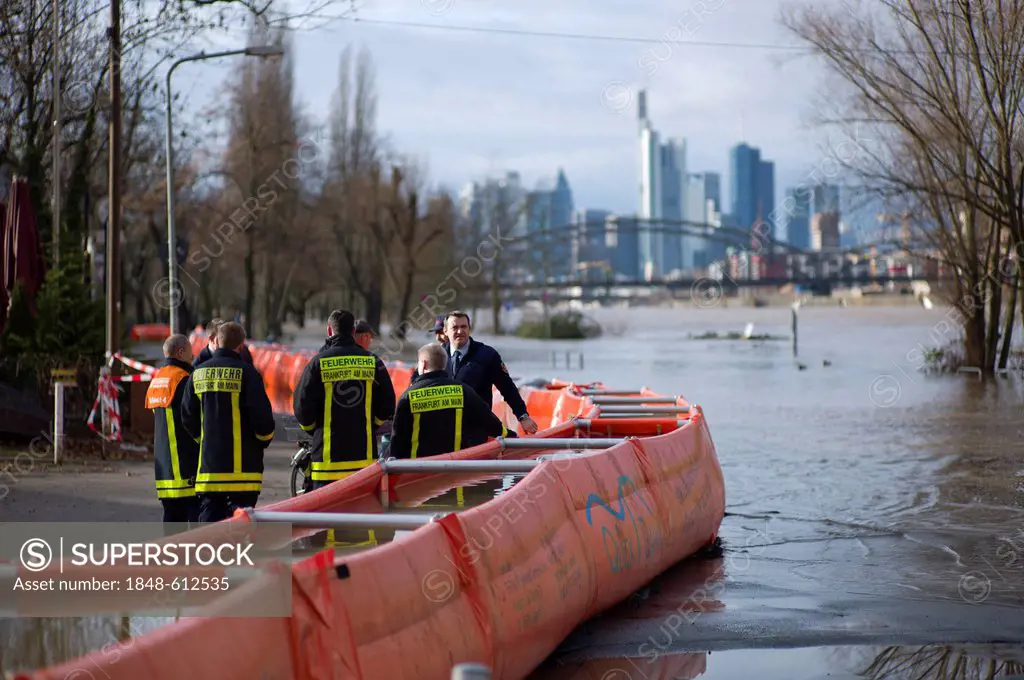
511, 434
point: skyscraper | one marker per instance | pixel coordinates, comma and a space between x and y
766, 199
713, 189
826, 198
663, 195
589, 237
650, 189
673, 204
552, 210
744, 165
825, 231
622, 244
751, 187
795, 218
699, 212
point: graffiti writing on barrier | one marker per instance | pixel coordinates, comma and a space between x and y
625, 551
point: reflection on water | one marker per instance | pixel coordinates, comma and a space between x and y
35, 643
945, 662
929, 662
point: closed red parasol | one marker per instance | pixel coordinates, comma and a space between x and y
22, 258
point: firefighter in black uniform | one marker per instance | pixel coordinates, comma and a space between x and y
227, 407
344, 393
176, 452
438, 414
206, 353
480, 366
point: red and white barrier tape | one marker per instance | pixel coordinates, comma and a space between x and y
132, 363
106, 397
135, 378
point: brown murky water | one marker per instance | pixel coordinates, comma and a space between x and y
875, 525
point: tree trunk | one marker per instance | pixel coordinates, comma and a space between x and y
496, 295
405, 303
1011, 310
250, 279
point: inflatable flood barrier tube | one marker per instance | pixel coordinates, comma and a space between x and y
502, 583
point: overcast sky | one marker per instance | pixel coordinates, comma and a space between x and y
476, 104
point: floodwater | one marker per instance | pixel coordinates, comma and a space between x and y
875, 524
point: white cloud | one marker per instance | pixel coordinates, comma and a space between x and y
471, 103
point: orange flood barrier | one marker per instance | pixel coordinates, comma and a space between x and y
502, 583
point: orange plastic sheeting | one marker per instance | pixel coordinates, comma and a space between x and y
414, 608
502, 583
401, 377
540, 404
534, 563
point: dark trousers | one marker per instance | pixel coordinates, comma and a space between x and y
213, 507
181, 509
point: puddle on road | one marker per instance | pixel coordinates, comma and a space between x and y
351, 541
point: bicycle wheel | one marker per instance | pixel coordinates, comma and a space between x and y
298, 482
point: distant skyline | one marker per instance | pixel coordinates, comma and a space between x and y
473, 105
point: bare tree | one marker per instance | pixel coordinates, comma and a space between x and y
934, 90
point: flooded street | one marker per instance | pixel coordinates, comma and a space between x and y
867, 503
874, 525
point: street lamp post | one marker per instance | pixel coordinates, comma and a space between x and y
172, 254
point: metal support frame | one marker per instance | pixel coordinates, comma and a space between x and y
344, 520
574, 443
58, 421
641, 410
397, 467
471, 671
635, 415
592, 392
587, 423
601, 401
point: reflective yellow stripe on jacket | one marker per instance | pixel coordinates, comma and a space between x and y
227, 380
426, 399
177, 487
341, 369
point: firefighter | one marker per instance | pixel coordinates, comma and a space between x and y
227, 408
211, 345
438, 414
344, 394
176, 453
363, 333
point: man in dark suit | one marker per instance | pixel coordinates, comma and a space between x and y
480, 366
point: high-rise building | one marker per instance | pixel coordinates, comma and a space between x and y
826, 198
766, 199
673, 205
825, 231
495, 203
663, 195
713, 189
751, 188
551, 210
795, 218
744, 164
622, 245
561, 202
700, 216
650, 242
589, 237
